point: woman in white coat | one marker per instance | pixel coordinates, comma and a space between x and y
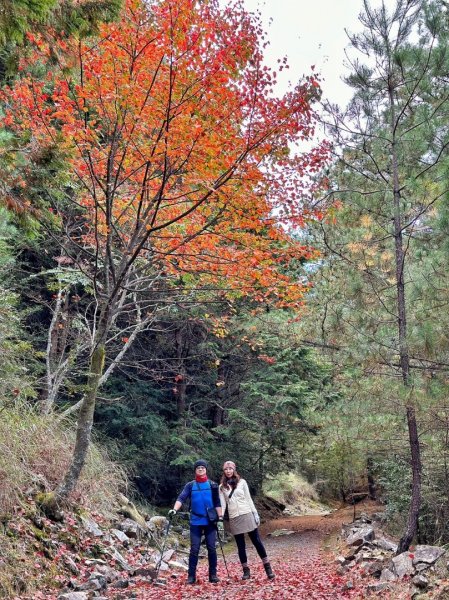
241, 516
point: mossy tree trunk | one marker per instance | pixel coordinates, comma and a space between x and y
84, 425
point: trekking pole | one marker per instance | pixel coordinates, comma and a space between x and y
167, 529
222, 551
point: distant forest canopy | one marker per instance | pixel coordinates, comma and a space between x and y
174, 276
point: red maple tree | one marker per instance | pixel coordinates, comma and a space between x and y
181, 154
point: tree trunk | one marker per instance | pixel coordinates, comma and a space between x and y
415, 452
50, 387
370, 477
217, 416
218, 412
181, 387
415, 503
181, 381
84, 427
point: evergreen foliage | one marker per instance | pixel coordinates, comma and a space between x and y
16, 351
250, 396
376, 305
19, 17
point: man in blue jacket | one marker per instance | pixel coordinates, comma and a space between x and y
203, 494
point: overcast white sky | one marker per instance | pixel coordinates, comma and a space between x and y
311, 32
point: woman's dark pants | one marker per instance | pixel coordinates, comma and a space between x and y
257, 543
210, 533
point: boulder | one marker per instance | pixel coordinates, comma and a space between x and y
121, 584
403, 565
167, 555
420, 582
387, 575
73, 596
362, 556
121, 536
70, 563
427, 554
385, 544
131, 529
375, 588
150, 572
94, 583
421, 567
364, 534
175, 564
364, 518
120, 560
91, 527
107, 572
374, 568
366, 546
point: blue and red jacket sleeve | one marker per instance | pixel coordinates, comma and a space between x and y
186, 493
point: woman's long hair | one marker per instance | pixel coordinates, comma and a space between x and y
230, 483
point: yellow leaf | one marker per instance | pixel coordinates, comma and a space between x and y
366, 221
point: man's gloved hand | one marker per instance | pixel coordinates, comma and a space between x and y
171, 513
220, 526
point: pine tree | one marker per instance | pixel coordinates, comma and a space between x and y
391, 141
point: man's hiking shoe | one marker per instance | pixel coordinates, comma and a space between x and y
213, 579
269, 571
246, 573
191, 580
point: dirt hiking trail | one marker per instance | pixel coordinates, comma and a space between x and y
302, 561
